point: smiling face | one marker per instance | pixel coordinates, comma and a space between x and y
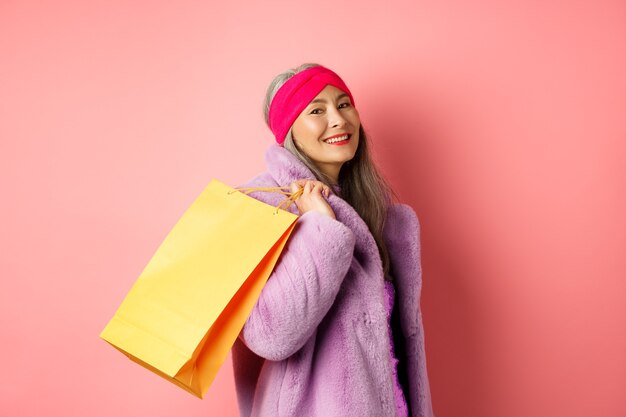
320, 130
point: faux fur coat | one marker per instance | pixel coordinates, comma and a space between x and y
317, 341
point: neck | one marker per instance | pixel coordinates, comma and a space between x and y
331, 171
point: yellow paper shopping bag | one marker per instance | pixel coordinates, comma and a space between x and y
183, 314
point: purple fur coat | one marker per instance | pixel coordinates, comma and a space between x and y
316, 342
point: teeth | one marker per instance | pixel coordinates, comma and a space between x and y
337, 139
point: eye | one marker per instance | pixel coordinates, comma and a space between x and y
341, 106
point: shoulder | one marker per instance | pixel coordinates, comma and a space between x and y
262, 180
401, 217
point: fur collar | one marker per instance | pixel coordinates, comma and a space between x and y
285, 168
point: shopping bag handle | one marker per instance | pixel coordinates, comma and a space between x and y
292, 196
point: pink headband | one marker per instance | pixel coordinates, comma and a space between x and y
296, 93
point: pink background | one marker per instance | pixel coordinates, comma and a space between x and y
502, 125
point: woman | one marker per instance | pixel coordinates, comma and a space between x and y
337, 330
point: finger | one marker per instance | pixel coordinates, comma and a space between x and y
318, 188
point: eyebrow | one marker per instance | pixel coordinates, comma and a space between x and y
321, 100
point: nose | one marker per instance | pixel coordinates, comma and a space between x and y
336, 119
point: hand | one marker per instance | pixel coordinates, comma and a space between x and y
312, 198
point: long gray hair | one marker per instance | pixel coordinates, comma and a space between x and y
362, 186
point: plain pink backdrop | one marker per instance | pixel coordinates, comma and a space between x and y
502, 125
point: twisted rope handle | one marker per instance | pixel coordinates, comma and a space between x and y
292, 197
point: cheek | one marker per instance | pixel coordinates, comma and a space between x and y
310, 128
355, 119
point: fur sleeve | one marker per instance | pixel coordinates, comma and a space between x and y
302, 287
